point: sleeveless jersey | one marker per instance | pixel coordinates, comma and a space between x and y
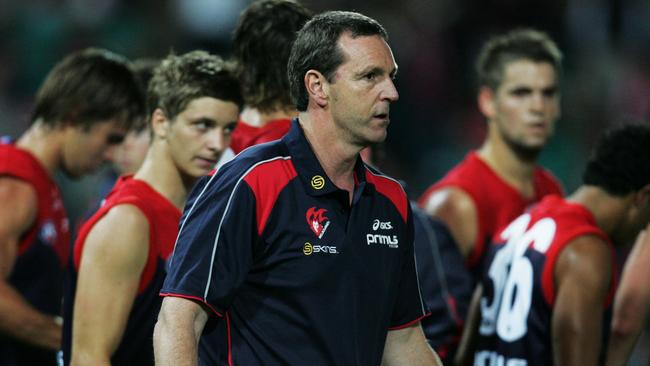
518, 284
497, 202
38, 270
245, 135
136, 347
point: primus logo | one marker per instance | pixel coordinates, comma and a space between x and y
391, 241
309, 249
376, 225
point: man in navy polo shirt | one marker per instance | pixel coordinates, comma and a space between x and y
303, 253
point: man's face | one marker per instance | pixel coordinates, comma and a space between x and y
199, 134
86, 149
362, 89
524, 108
131, 153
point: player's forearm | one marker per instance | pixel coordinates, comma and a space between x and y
21, 321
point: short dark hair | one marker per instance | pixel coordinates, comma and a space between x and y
316, 47
518, 44
620, 162
88, 86
179, 79
261, 45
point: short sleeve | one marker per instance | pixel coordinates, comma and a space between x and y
213, 252
409, 307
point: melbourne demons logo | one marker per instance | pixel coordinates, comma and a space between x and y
317, 221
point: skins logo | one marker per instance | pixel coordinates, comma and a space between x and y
317, 221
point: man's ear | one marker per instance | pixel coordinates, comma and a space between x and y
159, 123
486, 101
317, 87
642, 196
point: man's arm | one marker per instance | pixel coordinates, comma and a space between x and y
458, 211
467, 345
582, 277
114, 255
408, 346
19, 319
632, 302
179, 327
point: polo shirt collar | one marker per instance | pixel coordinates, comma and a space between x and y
311, 173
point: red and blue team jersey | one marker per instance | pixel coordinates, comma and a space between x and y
497, 202
294, 272
245, 135
38, 271
136, 347
518, 283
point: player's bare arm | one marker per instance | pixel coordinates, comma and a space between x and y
408, 346
18, 318
582, 277
632, 302
457, 210
114, 256
179, 327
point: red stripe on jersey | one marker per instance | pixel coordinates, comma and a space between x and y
414, 321
189, 297
392, 190
267, 181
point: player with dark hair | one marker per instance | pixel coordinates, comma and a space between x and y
118, 261
518, 75
261, 46
549, 276
82, 111
303, 254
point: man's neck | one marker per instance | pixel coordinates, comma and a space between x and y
335, 156
256, 118
160, 172
45, 144
607, 210
509, 166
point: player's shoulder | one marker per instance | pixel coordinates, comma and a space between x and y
388, 187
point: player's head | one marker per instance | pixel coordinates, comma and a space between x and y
130, 154
518, 76
620, 165
194, 101
261, 45
92, 96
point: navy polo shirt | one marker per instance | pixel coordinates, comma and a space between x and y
295, 273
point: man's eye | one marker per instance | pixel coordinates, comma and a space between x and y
370, 76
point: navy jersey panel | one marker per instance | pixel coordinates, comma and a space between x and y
298, 274
446, 285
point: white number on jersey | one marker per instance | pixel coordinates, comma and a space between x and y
511, 274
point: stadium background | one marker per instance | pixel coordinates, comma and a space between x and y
606, 45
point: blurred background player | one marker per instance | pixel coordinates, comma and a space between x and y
81, 113
518, 76
261, 45
129, 155
118, 262
550, 275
